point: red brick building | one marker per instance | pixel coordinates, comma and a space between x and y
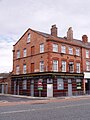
5, 83
48, 65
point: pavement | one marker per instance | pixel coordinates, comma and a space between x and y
45, 98
13, 100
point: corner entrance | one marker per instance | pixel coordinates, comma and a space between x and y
49, 90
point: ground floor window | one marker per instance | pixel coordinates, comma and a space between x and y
24, 84
60, 84
79, 84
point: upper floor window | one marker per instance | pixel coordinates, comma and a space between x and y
24, 69
78, 67
87, 66
55, 48
18, 53
32, 50
55, 65
63, 66
71, 67
24, 84
41, 48
17, 69
24, 52
41, 66
63, 49
87, 53
77, 51
71, 50
28, 37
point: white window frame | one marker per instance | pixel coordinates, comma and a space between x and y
63, 49
78, 68
63, 66
17, 69
28, 37
24, 69
24, 52
87, 53
55, 47
70, 50
87, 66
41, 66
55, 65
18, 53
42, 48
24, 84
77, 51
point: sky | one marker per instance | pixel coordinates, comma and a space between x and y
16, 16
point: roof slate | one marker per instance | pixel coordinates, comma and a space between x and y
74, 41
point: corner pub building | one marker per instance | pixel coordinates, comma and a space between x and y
46, 65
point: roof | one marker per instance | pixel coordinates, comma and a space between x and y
64, 39
61, 39
4, 75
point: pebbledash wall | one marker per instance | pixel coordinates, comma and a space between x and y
50, 66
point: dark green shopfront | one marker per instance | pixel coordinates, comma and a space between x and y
47, 84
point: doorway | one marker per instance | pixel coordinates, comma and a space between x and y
14, 87
6, 89
32, 88
17, 89
69, 87
49, 90
87, 85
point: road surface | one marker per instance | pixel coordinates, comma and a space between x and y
53, 109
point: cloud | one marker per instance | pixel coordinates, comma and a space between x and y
6, 46
16, 16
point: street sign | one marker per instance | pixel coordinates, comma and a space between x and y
40, 85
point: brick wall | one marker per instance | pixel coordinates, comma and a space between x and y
48, 56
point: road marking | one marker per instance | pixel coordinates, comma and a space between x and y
39, 109
5, 101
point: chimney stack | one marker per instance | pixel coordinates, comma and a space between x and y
54, 31
85, 38
70, 34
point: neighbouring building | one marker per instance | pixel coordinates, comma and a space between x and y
50, 66
5, 83
87, 82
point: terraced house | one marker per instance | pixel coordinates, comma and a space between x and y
50, 66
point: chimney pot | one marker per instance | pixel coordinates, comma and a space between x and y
54, 31
70, 34
85, 38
